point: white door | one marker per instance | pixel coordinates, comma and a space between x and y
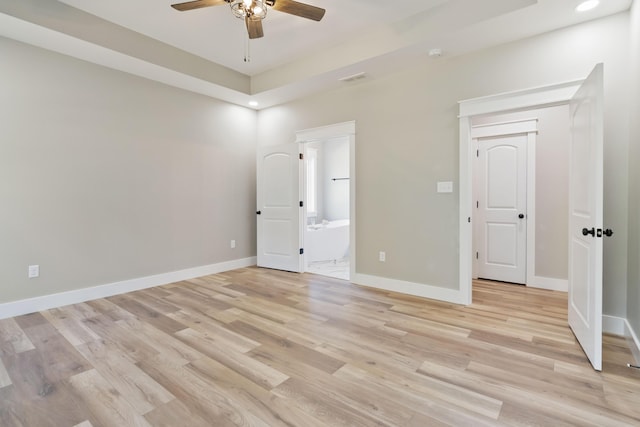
279, 211
502, 208
585, 216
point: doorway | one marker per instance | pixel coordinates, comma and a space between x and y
545, 209
504, 171
327, 201
492, 106
328, 195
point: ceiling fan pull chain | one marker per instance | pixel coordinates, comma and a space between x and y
247, 50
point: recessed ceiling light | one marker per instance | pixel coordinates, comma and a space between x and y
253, 103
587, 5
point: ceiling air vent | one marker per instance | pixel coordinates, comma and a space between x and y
354, 77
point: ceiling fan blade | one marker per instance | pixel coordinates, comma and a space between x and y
254, 27
298, 9
197, 4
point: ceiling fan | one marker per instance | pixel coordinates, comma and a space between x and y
254, 11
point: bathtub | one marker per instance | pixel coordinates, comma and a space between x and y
326, 242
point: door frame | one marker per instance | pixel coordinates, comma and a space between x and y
539, 97
344, 129
528, 128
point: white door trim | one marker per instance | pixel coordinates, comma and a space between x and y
528, 127
530, 98
335, 131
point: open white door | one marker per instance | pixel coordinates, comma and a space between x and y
585, 216
279, 211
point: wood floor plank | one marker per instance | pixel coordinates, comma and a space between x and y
201, 397
212, 328
252, 398
320, 404
175, 413
73, 329
129, 344
155, 318
12, 338
57, 407
5, 379
251, 368
447, 402
258, 347
139, 390
161, 342
104, 402
310, 356
57, 358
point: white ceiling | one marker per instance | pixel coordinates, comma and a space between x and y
216, 35
297, 56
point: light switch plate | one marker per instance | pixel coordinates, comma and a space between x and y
34, 271
445, 187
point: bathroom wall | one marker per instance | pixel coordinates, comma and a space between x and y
319, 211
336, 165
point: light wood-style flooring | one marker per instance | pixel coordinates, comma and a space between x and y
256, 347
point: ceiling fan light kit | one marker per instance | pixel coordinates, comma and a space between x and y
254, 9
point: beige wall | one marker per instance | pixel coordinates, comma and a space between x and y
106, 177
552, 186
407, 140
633, 297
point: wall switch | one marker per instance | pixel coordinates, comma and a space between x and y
445, 187
233, 244
34, 271
382, 257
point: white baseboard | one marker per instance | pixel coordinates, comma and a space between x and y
549, 283
632, 339
45, 302
613, 325
410, 288
619, 326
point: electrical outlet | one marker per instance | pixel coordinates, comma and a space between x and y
233, 244
34, 271
382, 257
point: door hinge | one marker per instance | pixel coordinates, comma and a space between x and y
301, 203
477, 204
301, 251
477, 255
469, 220
301, 156
477, 153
